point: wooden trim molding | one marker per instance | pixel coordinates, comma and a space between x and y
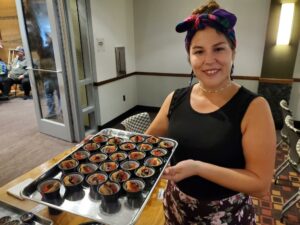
162, 74
276, 81
112, 79
236, 77
9, 17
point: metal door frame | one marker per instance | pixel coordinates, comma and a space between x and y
60, 130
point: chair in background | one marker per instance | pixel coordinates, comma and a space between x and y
137, 123
293, 158
285, 110
296, 197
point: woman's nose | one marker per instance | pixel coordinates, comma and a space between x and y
209, 57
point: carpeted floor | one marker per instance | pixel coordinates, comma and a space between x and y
269, 208
22, 146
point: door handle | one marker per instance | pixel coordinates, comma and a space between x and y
51, 71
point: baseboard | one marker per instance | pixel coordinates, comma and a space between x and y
134, 110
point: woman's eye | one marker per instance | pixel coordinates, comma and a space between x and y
198, 52
219, 49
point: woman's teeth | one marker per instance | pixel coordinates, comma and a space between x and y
210, 72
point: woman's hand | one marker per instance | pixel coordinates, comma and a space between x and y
181, 170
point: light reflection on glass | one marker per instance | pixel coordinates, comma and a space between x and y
42, 53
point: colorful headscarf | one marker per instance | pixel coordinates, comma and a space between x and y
219, 19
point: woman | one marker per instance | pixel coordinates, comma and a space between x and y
225, 133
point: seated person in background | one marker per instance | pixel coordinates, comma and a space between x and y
3, 74
18, 75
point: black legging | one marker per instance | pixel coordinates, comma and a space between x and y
24, 82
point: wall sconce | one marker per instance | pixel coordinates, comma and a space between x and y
285, 23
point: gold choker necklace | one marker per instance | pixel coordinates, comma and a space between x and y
218, 90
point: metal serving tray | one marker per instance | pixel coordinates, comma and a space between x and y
88, 207
15, 214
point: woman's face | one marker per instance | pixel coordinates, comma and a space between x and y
211, 58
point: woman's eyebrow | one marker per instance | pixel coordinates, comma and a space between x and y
197, 47
219, 43
214, 45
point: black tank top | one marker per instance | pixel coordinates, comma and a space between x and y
209, 137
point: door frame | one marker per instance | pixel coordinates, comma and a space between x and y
63, 130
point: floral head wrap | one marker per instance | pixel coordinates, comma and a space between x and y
219, 19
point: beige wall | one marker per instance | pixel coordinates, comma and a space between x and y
9, 27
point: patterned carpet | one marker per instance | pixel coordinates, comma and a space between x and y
268, 209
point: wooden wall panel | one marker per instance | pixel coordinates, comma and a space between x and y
9, 27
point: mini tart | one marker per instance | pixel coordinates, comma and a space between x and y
159, 152
133, 185
4, 219
80, 155
127, 146
90, 147
136, 155
109, 166
108, 149
120, 176
98, 158
72, 179
49, 186
137, 138
144, 147
118, 156
145, 171
96, 178
100, 139
153, 161
166, 144
114, 141
130, 165
68, 164
87, 168
109, 188
152, 140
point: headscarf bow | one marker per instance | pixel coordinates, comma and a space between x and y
219, 19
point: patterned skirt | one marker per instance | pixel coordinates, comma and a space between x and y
183, 209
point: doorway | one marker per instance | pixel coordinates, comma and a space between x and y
56, 36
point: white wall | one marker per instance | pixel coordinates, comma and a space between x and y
295, 94
147, 30
297, 64
112, 20
111, 98
152, 90
160, 49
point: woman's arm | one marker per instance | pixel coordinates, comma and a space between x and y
259, 141
159, 125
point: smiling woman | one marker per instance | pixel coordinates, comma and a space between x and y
221, 130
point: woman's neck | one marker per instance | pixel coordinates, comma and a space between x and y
216, 90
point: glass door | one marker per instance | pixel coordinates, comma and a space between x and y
42, 40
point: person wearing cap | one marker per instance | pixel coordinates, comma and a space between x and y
3, 74
225, 133
18, 74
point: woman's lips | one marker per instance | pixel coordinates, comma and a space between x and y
211, 72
